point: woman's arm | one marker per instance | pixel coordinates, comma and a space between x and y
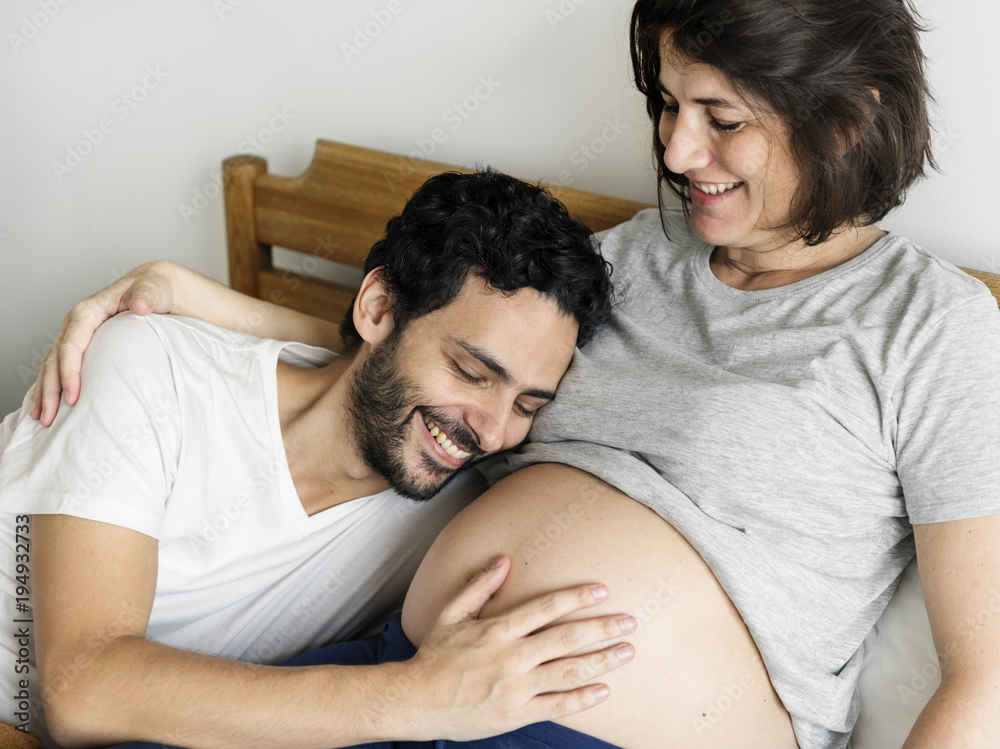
960, 575
166, 288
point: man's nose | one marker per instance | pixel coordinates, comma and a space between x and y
489, 422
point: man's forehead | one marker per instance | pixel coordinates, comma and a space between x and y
475, 289
483, 313
477, 297
514, 327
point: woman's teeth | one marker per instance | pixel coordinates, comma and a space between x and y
713, 189
442, 439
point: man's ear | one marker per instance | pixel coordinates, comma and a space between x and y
373, 309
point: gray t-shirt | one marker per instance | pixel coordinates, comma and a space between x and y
791, 435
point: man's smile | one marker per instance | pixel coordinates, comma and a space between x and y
443, 445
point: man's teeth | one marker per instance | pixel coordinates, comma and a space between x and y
716, 189
442, 439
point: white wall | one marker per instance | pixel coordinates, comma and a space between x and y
550, 75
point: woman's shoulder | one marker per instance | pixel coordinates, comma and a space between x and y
937, 323
915, 260
652, 235
925, 281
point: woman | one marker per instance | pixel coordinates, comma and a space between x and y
794, 391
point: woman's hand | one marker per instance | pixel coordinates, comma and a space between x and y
473, 678
146, 289
166, 288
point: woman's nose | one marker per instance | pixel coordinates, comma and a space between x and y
685, 147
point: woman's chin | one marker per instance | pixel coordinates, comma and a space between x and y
713, 231
720, 232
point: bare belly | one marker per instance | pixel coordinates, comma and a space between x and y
697, 679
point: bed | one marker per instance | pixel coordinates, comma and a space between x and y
338, 208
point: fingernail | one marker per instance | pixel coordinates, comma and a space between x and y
625, 652
599, 592
601, 692
627, 624
496, 563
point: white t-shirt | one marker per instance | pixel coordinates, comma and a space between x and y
176, 435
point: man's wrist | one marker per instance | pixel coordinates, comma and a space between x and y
176, 278
387, 702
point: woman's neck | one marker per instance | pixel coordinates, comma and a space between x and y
756, 270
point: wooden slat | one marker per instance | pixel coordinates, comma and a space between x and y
247, 255
348, 194
313, 296
339, 206
992, 280
596, 212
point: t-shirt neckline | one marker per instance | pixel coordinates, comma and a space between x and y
703, 272
296, 513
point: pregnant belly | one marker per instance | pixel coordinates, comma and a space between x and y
697, 679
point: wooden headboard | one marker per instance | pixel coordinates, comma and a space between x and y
338, 208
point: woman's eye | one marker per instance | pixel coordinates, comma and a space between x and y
726, 127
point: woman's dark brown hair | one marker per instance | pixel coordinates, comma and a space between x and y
836, 73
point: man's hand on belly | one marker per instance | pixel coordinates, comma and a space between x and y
512, 669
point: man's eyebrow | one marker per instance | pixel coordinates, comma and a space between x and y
717, 103
490, 362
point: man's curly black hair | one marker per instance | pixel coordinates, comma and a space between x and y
510, 233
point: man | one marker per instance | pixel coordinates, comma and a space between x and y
214, 496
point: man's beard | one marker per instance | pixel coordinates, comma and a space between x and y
382, 401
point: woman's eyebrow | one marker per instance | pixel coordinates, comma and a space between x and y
717, 103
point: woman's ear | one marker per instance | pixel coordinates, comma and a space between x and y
867, 118
373, 308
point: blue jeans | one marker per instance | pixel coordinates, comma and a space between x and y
392, 645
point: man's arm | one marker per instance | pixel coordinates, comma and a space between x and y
102, 682
960, 575
166, 288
